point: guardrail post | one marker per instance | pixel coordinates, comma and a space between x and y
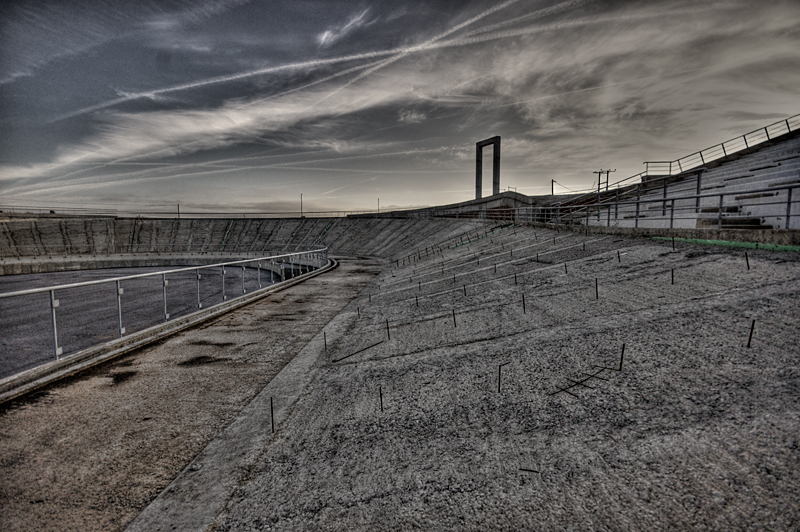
767, 134
120, 291
199, 304
719, 213
224, 297
53, 305
788, 206
638, 196
671, 212
164, 284
699, 184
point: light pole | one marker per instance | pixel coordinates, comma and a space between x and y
379, 205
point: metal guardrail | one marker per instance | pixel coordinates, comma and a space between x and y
718, 151
719, 212
68, 250
284, 266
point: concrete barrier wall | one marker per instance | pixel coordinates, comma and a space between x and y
42, 244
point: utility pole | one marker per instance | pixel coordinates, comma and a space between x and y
599, 179
599, 184
608, 172
379, 205
179, 211
552, 187
301, 205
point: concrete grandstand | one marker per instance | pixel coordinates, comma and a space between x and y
507, 363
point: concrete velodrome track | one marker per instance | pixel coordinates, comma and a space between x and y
482, 387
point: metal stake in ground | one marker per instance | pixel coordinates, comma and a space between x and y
271, 415
565, 267
325, 339
380, 394
672, 274
388, 336
618, 259
498, 374
454, 319
747, 259
750, 338
523, 304
596, 292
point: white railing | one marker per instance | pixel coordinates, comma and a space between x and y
89, 314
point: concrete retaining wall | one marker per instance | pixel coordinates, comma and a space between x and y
36, 245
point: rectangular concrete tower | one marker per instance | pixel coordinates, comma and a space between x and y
495, 142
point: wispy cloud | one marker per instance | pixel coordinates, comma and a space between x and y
568, 85
336, 33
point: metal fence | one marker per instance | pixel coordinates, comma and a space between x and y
775, 207
702, 157
91, 312
718, 151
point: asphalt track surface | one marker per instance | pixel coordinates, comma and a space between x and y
91, 451
88, 315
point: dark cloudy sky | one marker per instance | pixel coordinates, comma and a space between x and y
243, 105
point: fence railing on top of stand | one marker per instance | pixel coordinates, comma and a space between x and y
718, 151
702, 157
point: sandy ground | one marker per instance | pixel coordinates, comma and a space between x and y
90, 453
433, 408
406, 429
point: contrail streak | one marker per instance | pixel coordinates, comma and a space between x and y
424, 46
271, 70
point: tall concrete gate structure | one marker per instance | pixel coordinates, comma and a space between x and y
495, 141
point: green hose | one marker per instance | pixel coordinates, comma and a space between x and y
732, 244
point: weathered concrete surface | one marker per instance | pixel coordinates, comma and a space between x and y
696, 432
90, 453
